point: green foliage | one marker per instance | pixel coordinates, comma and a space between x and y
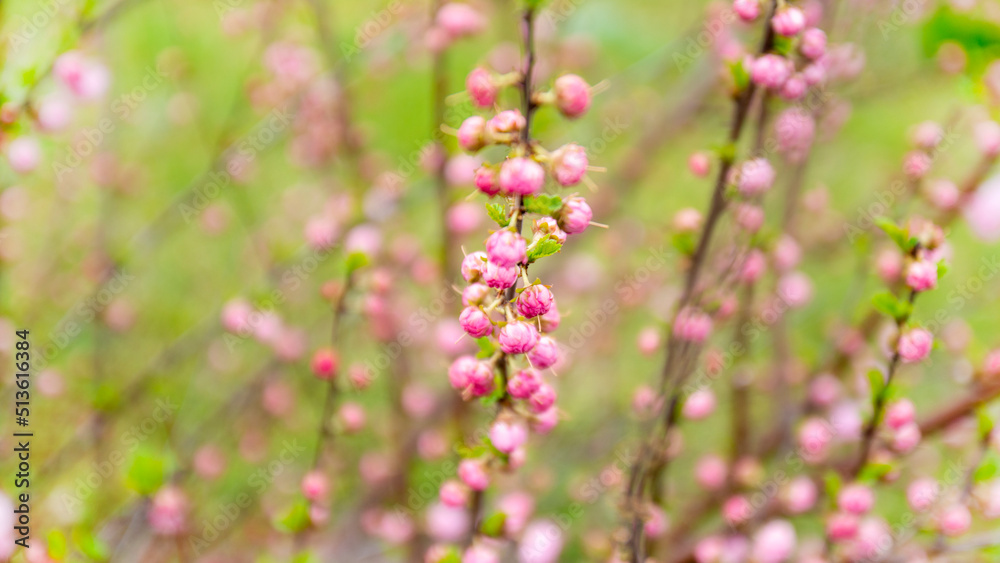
145, 473
891, 306
492, 526
498, 212
57, 545
875, 382
544, 247
684, 243
898, 234
91, 545
294, 519
988, 469
543, 204
979, 38
355, 261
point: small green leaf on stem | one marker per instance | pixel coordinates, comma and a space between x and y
543, 204
544, 247
498, 212
493, 525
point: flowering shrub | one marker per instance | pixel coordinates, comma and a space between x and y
478, 282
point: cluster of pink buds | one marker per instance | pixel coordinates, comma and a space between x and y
514, 321
806, 63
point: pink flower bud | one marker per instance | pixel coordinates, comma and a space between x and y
787, 253
543, 398
521, 176
814, 437
508, 436
545, 421
473, 473
325, 363
315, 486
955, 520
921, 275
466, 370
899, 414
770, 71
518, 337
813, 43
548, 226
906, 438
692, 325
856, 499
499, 277
824, 390
648, 340
506, 122
788, 21
352, 416
750, 217
915, 345
794, 88
699, 404
710, 472
534, 300
459, 20
794, 130
551, 320
814, 74
545, 354
24, 154
774, 542
453, 494
472, 133
572, 95
753, 266
523, 384
991, 365
686, 220
795, 289
755, 177
922, 493
506, 248
944, 194
236, 316
481, 88
700, 163
841, 526
575, 215
473, 266
569, 164
736, 510
480, 554
85, 78
475, 294
447, 523
917, 164
800, 495
656, 523
168, 511
987, 135
475, 322
927, 135
542, 542
464, 217
747, 10
486, 180
54, 113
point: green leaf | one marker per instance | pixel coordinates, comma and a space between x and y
890, 305
486, 348
741, 78
832, 484
896, 233
684, 243
498, 212
782, 45
295, 519
874, 472
356, 261
544, 247
543, 204
91, 545
499, 390
985, 423
493, 525
942, 269
145, 474
986, 470
875, 381
57, 545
